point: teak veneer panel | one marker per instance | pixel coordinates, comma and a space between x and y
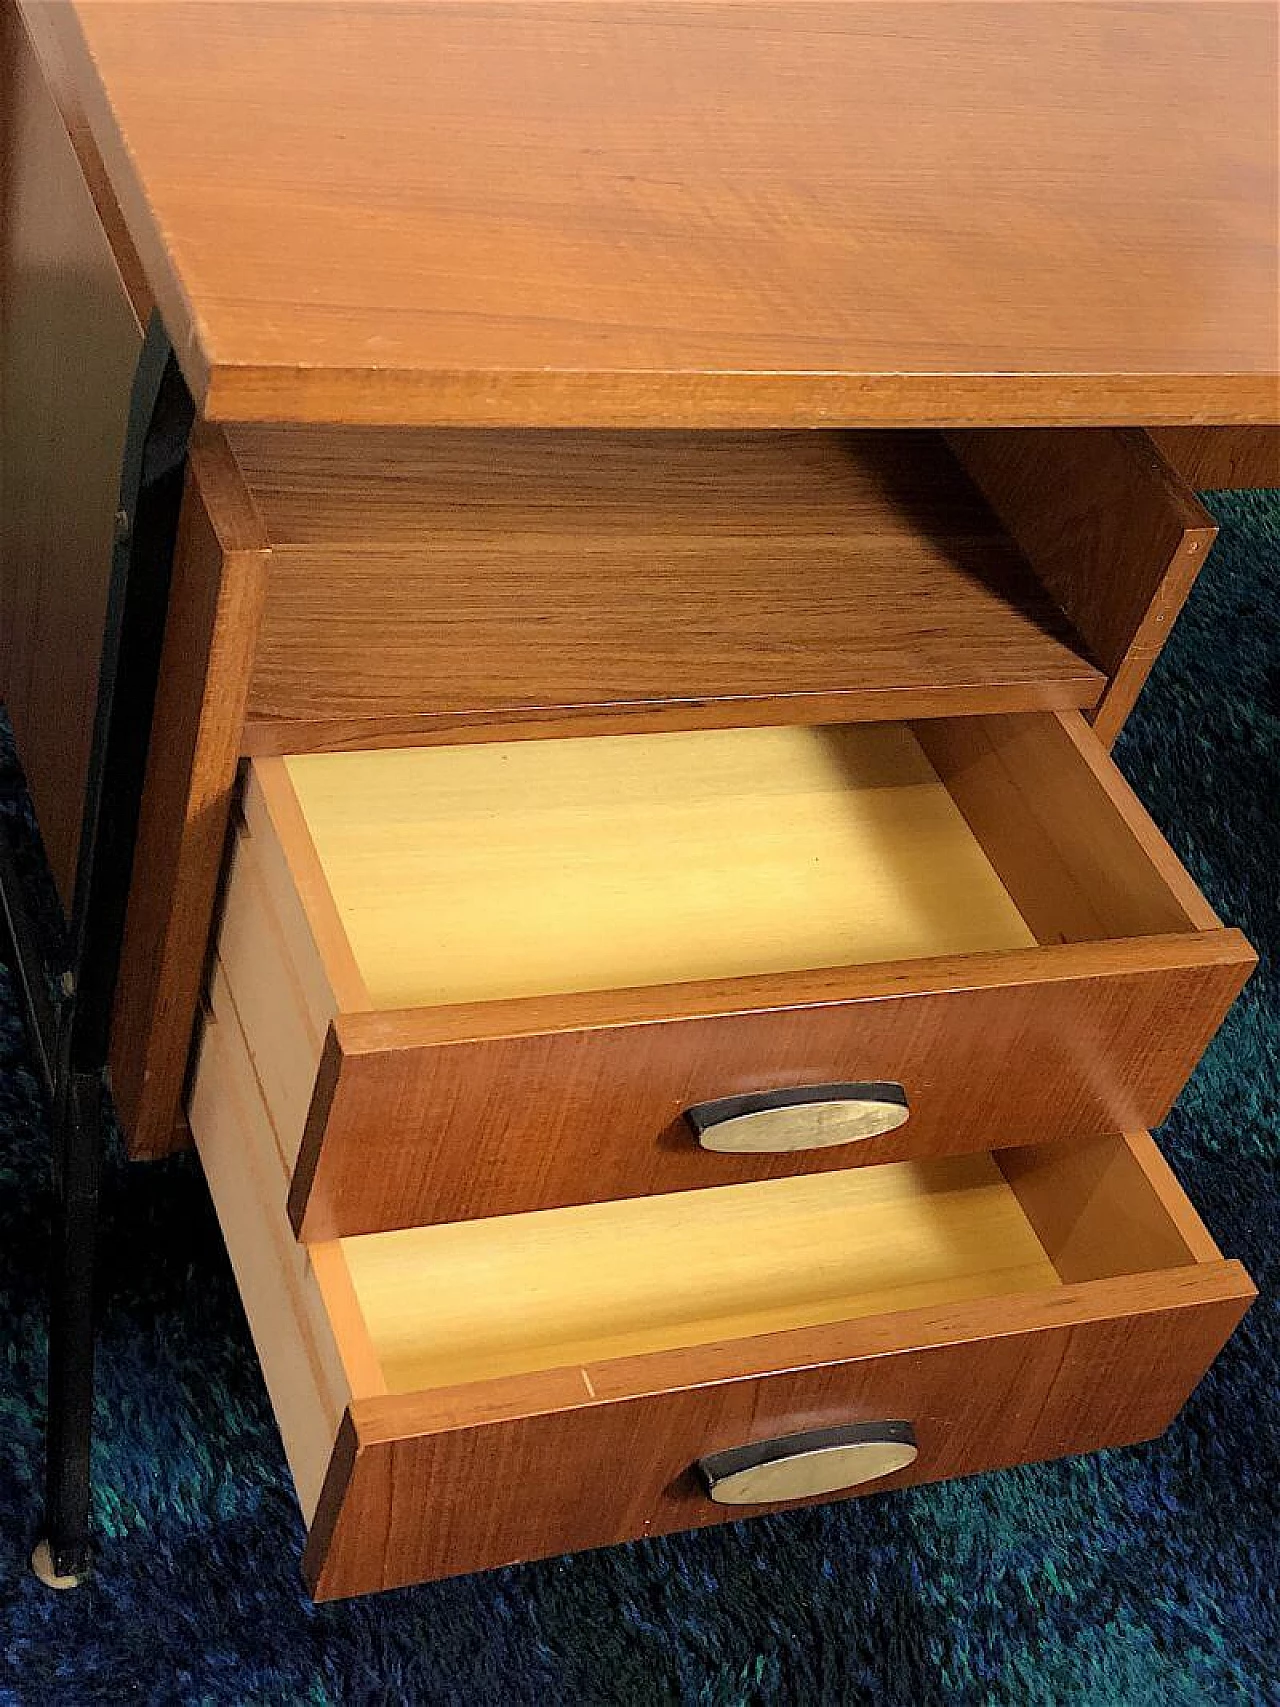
1210, 458
52, 33
458, 1476
605, 1453
443, 582
1112, 531
582, 1099
1091, 978
218, 586
705, 215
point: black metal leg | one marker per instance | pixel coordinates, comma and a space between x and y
78, 1137
67, 1006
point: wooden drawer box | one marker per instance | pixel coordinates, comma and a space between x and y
455, 1398
486, 979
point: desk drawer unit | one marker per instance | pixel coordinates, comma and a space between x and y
666, 984
458, 1397
377, 589
489, 979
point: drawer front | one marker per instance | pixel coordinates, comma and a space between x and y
1072, 1041
409, 1498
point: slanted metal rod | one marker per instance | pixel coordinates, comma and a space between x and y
151, 487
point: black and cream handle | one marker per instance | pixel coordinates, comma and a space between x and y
804, 1117
799, 1466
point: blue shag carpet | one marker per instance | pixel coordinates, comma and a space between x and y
1143, 1576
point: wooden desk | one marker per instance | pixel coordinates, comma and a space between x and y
639, 371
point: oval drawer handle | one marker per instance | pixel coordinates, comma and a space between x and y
807, 1117
825, 1461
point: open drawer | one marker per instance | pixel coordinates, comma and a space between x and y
486, 979
457, 1397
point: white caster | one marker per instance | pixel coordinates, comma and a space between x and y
42, 1565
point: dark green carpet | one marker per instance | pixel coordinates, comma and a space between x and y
1142, 1576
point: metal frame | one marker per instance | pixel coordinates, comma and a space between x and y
67, 997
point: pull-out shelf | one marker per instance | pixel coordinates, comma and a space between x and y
480, 980
439, 584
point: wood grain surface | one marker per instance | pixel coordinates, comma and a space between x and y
1059, 1043
52, 34
1073, 844
708, 214
452, 1481
297, 1345
474, 873
1218, 457
947, 615
219, 578
1112, 531
75, 299
434, 581
517, 1294
458, 1477
1107, 1207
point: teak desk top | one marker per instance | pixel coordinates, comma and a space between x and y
559, 212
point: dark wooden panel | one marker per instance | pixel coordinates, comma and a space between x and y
442, 1483
446, 1114
1211, 458
69, 340
51, 31
1112, 531
436, 579
216, 602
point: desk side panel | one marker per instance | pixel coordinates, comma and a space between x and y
215, 608
69, 341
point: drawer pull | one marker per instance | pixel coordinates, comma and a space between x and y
808, 1117
797, 1466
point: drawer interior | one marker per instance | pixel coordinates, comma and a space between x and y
479, 1299
475, 873
580, 1285
481, 872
